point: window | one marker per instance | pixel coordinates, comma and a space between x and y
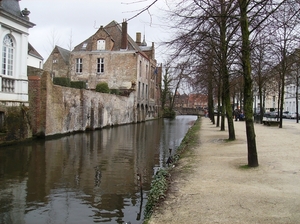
78, 65
84, 46
140, 68
100, 65
101, 45
7, 56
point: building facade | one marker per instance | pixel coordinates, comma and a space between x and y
14, 26
113, 57
34, 59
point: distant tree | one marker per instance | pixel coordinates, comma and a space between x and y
165, 89
172, 81
261, 64
285, 25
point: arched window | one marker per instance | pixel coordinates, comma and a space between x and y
7, 56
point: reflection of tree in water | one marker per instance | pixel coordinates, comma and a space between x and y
139, 181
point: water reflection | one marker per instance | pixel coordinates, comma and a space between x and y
101, 176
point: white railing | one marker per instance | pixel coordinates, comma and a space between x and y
8, 85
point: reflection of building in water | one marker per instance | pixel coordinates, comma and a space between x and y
90, 175
104, 164
13, 197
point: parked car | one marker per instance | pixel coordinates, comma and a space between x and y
293, 115
285, 114
274, 114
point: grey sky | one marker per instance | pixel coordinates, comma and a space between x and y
59, 21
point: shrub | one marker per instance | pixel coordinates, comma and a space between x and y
78, 84
169, 113
115, 91
159, 187
102, 87
61, 81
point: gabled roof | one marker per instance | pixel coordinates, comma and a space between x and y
114, 30
33, 52
63, 52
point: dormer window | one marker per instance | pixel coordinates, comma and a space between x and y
84, 46
101, 45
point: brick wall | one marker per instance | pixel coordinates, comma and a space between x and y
36, 110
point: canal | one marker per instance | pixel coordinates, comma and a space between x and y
89, 177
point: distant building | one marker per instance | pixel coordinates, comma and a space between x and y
58, 62
181, 100
198, 101
34, 59
192, 100
14, 25
112, 56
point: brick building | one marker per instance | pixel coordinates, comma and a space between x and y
193, 101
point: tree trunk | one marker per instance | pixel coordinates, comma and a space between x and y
248, 99
297, 103
226, 106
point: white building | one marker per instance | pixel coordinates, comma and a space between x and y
14, 26
34, 59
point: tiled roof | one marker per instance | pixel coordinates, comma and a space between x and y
64, 53
33, 52
11, 6
114, 30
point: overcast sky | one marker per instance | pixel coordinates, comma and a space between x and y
60, 22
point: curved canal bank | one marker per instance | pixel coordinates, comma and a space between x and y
210, 184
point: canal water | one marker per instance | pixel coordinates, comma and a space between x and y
90, 177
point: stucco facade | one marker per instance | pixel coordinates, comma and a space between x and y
14, 26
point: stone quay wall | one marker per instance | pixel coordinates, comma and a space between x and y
59, 110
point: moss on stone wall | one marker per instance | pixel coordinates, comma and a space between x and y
16, 124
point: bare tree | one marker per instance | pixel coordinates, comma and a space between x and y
261, 64
293, 79
209, 24
195, 21
248, 100
285, 23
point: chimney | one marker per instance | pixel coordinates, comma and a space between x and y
153, 51
138, 38
124, 41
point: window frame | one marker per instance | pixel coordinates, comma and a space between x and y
8, 51
78, 65
101, 45
100, 66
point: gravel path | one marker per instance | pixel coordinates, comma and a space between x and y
210, 186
